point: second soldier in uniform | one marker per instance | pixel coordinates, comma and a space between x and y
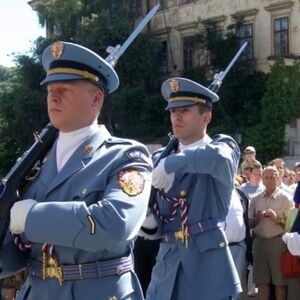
194, 186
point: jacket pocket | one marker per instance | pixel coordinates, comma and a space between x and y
213, 239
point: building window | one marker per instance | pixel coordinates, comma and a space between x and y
246, 35
163, 4
188, 52
136, 7
163, 57
186, 1
281, 36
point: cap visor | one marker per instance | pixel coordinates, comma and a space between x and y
60, 77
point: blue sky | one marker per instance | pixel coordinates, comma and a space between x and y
19, 27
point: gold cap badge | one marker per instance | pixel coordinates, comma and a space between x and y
57, 50
174, 85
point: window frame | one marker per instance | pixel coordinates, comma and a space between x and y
284, 36
164, 57
188, 62
248, 53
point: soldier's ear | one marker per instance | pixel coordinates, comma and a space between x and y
98, 97
207, 117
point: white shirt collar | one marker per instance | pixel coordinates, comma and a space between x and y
68, 142
200, 143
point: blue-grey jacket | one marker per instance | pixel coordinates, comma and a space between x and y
205, 269
89, 184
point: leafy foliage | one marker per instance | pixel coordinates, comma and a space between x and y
22, 112
280, 105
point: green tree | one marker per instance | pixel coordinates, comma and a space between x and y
280, 105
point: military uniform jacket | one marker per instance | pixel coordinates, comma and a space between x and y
90, 211
206, 175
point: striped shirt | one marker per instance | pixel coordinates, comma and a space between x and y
280, 202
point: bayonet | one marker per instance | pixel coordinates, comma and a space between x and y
117, 51
218, 77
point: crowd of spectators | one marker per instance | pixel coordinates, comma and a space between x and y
270, 189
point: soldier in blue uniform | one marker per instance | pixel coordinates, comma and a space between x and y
81, 214
194, 185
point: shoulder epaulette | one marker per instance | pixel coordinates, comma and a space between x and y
223, 138
116, 140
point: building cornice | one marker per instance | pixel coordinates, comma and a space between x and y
245, 13
279, 6
215, 20
188, 25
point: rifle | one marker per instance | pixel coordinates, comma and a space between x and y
44, 141
17, 175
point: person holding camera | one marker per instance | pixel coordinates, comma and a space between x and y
267, 218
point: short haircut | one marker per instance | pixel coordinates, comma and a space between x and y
272, 169
256, 165
203, 108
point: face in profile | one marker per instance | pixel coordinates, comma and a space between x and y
188, 124
73, 104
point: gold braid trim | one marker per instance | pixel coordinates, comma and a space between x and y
186, 98
84, 74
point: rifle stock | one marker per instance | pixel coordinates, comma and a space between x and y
16, 176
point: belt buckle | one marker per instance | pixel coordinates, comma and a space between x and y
182, 235
53, 270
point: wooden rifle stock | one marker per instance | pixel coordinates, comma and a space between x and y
17, 175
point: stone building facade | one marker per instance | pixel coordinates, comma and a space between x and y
271, 27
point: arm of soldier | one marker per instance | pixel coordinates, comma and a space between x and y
12, 260
292, 240
115, 218
151, 228
219, 159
